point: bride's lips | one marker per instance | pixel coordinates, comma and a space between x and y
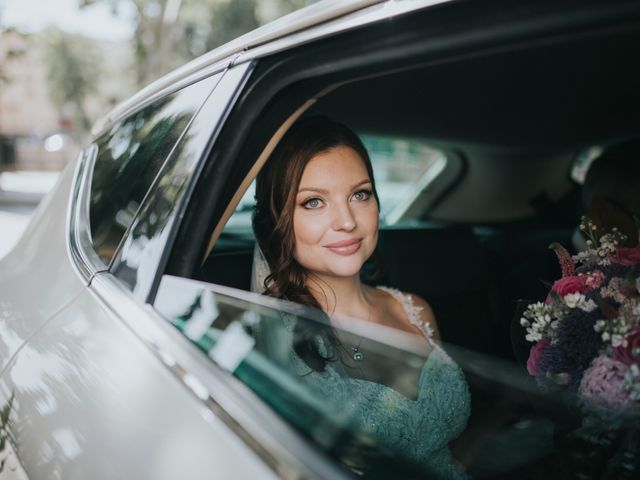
345, 247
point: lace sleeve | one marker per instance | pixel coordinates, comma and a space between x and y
413, 311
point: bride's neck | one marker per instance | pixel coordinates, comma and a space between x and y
340, 295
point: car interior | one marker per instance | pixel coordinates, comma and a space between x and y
512, 123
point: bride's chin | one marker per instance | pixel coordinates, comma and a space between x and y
345, 269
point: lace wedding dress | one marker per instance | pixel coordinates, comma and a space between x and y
420, 428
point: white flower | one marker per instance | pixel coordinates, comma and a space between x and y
618, 340
588, 306
533, 337
524, 322
574, 299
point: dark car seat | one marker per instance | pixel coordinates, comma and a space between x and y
449, 269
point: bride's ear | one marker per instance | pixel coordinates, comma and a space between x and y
607, 215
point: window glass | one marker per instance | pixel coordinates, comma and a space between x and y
400, 414
402, 168
254, 342
144, 249
129, 158
583, 161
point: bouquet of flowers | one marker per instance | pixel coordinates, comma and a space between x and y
587, 331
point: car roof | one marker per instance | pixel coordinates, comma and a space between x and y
307, 24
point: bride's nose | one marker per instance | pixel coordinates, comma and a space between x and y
343, 218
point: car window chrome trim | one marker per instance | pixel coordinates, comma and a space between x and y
281, 447
370, 12
244, 71
79, 242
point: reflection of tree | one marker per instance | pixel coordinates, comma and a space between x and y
128, 161
158, 208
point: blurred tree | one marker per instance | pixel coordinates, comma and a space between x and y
230, 20
154, 34
6, 55
168, 33
72, 73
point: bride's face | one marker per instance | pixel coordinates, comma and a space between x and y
335, 221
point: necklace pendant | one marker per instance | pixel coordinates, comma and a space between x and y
358, 356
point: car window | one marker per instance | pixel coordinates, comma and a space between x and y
143, 249
254, 342
254, 338
403, 168
129, 157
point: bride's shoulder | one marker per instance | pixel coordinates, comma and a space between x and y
417, 311
427, 316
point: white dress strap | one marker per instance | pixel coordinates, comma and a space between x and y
413, 311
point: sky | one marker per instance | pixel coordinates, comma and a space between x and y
95, 21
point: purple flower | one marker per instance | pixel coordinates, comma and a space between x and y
575, 345
602, 386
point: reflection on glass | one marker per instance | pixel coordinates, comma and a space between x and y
376, 417
515, 430
130, 156
138, 259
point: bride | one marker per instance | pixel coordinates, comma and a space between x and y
316, 223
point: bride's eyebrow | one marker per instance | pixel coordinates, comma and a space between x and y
313, 189
361, 182
325, 191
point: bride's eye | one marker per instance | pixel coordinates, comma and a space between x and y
312, 203
362, 195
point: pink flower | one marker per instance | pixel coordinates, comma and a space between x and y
567, 285
594, 279
533, 362
625, 354
626, 256
601, 386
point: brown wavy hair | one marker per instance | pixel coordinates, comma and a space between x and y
276, 190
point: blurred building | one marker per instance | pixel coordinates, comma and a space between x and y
27, 116
35, 134
25, 107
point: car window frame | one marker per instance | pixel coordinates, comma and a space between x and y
79, 239
216, 106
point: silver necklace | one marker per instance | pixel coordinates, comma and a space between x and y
357, 355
